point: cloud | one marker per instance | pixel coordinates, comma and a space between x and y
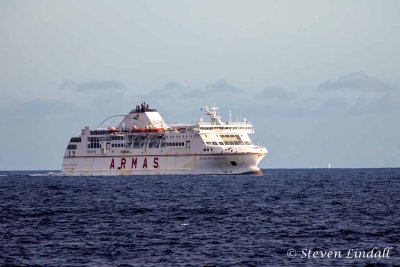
94, 85
171, 89
34, 114
100, 85
358, 93
356, 81
273, 92
41, 106
220, 87
68, 84
175, 89
354, 93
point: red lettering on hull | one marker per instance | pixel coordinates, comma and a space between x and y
134, 163
145, 163
155, 163
123, 161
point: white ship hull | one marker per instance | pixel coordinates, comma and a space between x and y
162, 164
143, 144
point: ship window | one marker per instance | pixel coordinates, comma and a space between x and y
214, 143
221, 143
233, 163
75, 140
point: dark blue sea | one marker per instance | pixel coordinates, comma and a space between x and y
284, 217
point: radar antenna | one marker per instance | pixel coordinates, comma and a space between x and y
214, 115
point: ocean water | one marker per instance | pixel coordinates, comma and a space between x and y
245, 220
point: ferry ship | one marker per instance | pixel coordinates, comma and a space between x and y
144, 144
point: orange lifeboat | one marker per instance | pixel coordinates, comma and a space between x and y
156, 130
112, 130
138, 130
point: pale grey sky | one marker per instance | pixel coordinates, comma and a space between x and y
319, 79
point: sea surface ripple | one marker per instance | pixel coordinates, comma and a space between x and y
245, 220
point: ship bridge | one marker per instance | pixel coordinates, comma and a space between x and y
216, 125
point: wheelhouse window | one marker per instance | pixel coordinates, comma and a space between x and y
72, 146
75, 140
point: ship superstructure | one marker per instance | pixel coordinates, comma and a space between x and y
144, 144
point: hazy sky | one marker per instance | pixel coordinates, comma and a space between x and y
319, 79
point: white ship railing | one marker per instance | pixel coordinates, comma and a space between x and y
207, 123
